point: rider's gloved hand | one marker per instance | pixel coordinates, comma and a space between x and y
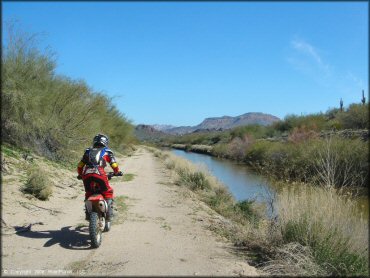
119, 173
79, 177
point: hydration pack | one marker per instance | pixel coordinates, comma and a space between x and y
96, 157
95, 160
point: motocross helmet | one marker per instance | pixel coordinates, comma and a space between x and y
100, 140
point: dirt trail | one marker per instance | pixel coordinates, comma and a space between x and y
163, 232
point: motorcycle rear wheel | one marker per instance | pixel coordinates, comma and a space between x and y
94, 230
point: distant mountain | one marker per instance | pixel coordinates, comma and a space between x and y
162, 127
180, 130
148, 133
207, 130
157, 132
225, 122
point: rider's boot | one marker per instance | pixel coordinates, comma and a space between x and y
87, 214
110, 209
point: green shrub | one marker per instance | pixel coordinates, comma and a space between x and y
48, 113
312, 121
246, 209
331, 161
257, 153
219, 150
38, 184
194, 180
10, 151
221, 201
355, 117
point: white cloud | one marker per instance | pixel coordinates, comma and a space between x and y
307, 59
307, 48
306, 51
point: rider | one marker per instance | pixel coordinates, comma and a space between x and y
91, 170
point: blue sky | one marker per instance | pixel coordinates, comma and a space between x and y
178, 63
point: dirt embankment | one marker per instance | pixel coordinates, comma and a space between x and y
163, 230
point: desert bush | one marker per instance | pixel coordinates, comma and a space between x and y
340, 162
220, 200
201, 138
247, 209
194, 180
257, 153
237, 148
356, 116
51, 114
331, 113
219, 150
301, 134
336, 161
312, 121
255, 131
38, 184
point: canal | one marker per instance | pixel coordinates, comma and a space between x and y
243, 183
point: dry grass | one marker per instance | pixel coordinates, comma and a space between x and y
38, 184
293, 259
328, 222
195, 176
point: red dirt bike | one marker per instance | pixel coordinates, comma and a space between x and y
97, 208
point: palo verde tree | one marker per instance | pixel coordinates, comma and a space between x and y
49, 113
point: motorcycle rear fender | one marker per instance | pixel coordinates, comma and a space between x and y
96, 197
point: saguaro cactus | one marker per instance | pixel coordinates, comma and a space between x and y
363, 100
341, 104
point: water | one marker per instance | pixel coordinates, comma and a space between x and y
243, 183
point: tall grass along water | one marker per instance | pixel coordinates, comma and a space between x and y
244, 184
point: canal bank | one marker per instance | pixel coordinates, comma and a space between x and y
245, 184
331, 161
315, 225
